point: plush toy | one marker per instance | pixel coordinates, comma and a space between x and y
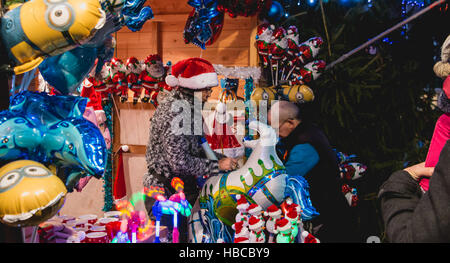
293, 215
119, 78
134, 69
242, 205
288, 204
283, 229
255, 210
256, 226
308, 238
273, 213
241, 234
152, 78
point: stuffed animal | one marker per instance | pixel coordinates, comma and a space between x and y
241, 234
256, 226
273, 213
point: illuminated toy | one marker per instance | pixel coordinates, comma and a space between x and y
41, 28
29, 193
177, 203
263, 181
284, 231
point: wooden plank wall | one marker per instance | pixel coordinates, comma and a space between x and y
163, 35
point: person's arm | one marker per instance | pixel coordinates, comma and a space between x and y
183, 162
302, 158
411, 216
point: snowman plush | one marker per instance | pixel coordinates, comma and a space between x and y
242, 205
283, 229
241, 234
256, 226
255, 210
273, 213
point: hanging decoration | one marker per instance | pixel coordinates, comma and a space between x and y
204, 23
52, 130
350, 171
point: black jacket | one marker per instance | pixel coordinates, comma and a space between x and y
335, 216
411, 216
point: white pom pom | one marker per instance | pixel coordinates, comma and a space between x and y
125, 148
171, 80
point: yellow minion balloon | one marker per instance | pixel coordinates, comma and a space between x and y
260, 93
38, 29
298, 93
29, 193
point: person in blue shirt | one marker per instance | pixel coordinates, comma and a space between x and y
305, 150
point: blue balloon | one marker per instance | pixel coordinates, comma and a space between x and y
52, 130
298, 189
274, 13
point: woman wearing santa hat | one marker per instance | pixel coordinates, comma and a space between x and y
176, 129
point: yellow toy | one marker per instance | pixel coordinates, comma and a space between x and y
37, 29
259, 94
29, 193
298, 93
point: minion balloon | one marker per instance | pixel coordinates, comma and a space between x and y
38, 29
29, 193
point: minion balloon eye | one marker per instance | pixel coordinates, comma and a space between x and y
9, 180
35, 171
60, 17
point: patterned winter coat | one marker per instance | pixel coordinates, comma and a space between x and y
172, 154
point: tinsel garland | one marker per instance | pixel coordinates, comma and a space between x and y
238, 72
107, 177
249, 111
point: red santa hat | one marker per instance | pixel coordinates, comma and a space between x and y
238, 227
272, 211
193, 73
308, 238
292, 214
255, 223
241, 201
282, 224
254, 208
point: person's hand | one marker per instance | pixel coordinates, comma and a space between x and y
228, 164
419, 170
